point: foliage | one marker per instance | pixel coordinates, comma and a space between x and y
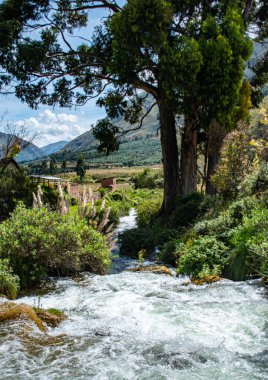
257, 180
141, 255
249, 242
80, 168
147, 211
154, 231
170, 251
230, 217
202, 257
52, 165
234, 162
14, 187
141, 45
148, 179
134, 240
50, 197
105, 132
188, 209
38, 242
9, 283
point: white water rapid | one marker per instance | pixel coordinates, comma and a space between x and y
142, 326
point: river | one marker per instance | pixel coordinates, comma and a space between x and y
144, 326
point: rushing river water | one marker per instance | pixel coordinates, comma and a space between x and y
144, 326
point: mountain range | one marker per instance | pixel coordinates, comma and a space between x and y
31, 152
150, 127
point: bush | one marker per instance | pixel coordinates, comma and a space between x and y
248, 243
148, 238
134, 240
148, 179
147, 211
38, 242
224, 224
233, 163
14, 187
188, 209
203, 256
257, 181
50, 197
9, 283
169, 253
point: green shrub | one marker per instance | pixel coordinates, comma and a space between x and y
224, 224
73, 201
147, 211
38, 242
169, 252
14, 187
203, 256
219, 226
50, 197
188, 209
148, 238
148, 179
248, 246
234, 162
9, 283
257, 181
134, 240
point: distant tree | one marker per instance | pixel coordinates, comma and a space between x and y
64, 166
52, 165
43, 168
16, 140
80, 168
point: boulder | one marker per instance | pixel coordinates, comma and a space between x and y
206, 280
157, 269
42, 318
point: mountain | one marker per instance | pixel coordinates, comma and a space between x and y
150, 128
258, 52
30, 153
54, 147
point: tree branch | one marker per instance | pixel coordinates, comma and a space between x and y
140, 123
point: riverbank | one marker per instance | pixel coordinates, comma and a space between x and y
136, 326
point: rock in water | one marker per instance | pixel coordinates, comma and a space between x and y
157, 269
12, 311
206, 280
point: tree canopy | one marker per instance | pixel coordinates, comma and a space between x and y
189, 55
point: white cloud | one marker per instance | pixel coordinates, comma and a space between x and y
50, 127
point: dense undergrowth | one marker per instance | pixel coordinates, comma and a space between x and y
223, 235
39, 242
48, 234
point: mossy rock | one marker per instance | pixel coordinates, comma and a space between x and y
206, 280
52, 317
42, 318
157, 269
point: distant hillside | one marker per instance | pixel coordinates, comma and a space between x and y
30, 153
258, 52
150, 128
54, 147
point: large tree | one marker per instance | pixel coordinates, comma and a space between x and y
189, 55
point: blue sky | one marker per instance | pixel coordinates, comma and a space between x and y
52, 124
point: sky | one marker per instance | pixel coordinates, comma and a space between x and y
49, 124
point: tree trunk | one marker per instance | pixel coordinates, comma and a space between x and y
189, 157
169, 156
212, 163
